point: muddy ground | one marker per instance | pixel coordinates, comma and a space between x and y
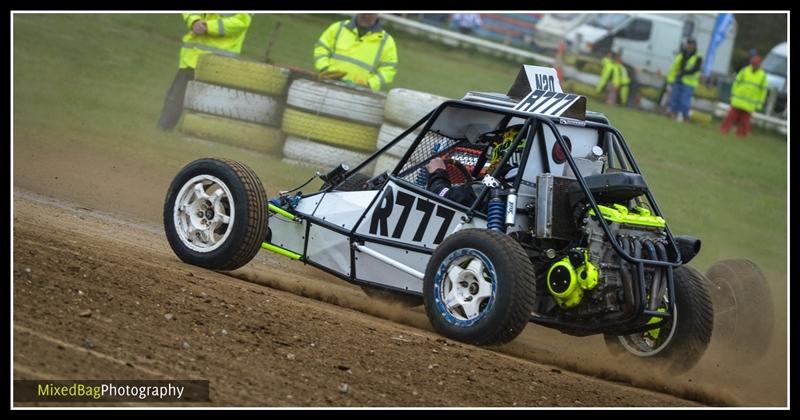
87, 238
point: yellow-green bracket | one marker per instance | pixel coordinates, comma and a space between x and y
274, 248
280, 251
275, 209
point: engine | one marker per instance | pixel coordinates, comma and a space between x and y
586, 277
592, 279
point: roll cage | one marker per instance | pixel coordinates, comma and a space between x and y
533, 129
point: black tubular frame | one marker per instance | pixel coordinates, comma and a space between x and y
533, 125
427, 118
637, 321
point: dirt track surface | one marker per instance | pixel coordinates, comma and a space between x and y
257, 345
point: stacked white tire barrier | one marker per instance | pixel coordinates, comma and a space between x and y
318, 124
236, 102
404, 108
320, 155
328, 123
389, 132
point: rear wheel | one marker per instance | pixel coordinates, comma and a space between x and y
744, 312
683, 339
479, 287
215, 214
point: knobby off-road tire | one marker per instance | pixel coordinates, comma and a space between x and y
211, 189
479, 287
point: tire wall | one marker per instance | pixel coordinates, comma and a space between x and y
271, 110
236, 102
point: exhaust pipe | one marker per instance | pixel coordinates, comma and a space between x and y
656, 285
627, 281
688, 246
636, 251
662, 255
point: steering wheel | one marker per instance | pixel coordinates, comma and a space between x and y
457, 172
491, 137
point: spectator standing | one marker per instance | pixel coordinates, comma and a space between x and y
209, 33
358, 51
748, 94
684, 76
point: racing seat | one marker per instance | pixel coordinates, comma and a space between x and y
613, 187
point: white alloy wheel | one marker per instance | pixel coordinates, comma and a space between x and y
467, 289
204, 213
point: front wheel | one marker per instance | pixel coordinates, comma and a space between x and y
682, 340
215, 214
479, 287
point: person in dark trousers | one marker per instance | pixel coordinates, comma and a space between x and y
439, 184
464, 194
209, 33
684, 76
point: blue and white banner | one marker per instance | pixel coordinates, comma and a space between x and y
724, 21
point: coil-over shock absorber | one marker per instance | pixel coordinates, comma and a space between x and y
496, 208
496, 213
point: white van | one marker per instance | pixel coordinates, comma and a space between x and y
775, 66
650, 42
553, 28
592, 36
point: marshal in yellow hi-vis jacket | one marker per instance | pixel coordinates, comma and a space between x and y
359, 51
222, 33
209, 33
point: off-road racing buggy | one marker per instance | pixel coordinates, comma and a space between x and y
574, 241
